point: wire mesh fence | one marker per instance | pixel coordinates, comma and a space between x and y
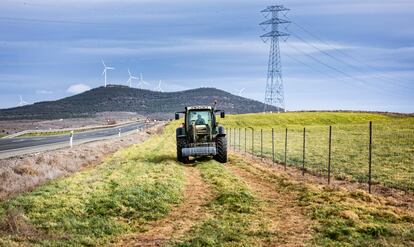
366, 153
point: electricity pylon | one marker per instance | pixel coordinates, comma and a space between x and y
274, 87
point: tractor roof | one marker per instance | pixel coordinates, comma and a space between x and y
189, 108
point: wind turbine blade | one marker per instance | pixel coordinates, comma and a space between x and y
129, 72
104, 71
103, 63
110, 68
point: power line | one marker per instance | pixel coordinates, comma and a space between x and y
344, 54
366, 84
322, 63
18, 19
324, 52
313, 68
339, 60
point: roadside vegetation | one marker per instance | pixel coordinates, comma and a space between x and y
49, 133
96, 205
55, 133
393, 137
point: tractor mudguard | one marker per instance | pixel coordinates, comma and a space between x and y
221, 131
180, 132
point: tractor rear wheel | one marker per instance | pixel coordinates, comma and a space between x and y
182, 143
221, 145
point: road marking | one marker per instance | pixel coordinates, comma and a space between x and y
18, 140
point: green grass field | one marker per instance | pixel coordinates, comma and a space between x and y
143, 183
393, 143
51, 133
55, 133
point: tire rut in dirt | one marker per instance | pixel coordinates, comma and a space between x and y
197, 194
285, 217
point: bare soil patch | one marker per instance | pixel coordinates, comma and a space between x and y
23, 173
285, 218
196, 194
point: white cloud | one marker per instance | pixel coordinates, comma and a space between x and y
78, 88
193, 46
42, 91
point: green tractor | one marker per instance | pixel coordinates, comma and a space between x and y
200, 135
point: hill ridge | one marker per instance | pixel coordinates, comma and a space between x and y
116, 98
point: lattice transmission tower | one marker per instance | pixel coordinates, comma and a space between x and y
274, 87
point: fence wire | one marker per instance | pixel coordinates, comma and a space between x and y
392, 151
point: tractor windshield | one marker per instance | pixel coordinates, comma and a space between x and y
199, 118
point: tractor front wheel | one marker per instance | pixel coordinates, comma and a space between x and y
221, 145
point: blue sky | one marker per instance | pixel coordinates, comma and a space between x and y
52, 49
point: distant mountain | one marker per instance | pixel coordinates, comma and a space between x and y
125, 99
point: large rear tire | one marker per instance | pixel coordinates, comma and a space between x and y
221, 145
182, 143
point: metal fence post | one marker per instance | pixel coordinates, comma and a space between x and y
230, 137
370, 157
273, 146
304, 148
252, 142
234, 140
261, 144
286, 140
239, 139
245, 141
329, 154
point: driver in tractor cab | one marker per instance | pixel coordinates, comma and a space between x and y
200, 120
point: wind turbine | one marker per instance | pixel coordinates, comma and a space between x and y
141, 82
131, 77
105, 70
159, 88
240, 92
22, 102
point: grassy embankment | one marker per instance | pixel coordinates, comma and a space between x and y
55, 133
95, 205
393, 138
49, 133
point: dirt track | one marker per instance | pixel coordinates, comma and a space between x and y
196, 194
285, 218
279, 212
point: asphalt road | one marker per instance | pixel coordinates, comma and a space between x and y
27, 143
